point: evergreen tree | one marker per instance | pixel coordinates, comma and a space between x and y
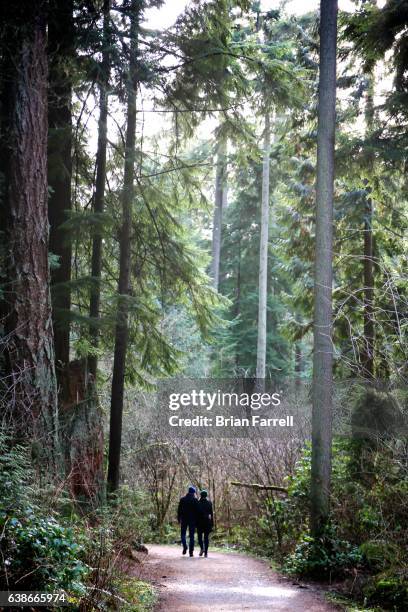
124, 286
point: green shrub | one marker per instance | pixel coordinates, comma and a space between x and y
130, 515
37, 552
140, 596
388, 591
16, 476
379, 554
325, 557
168, 533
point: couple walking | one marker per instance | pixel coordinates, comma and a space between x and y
195, 514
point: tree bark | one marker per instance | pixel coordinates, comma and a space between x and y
82, 438
29, 352
124, 290
220, 203
60, 52
298, 364
99, 194
237, 305
263, 255
368, 273
323, 275
298, 357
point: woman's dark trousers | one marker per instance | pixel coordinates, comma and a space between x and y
203, 542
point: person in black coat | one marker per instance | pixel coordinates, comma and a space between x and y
205, 522
187, 516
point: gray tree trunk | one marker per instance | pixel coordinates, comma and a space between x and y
124, 289
99, 195
323, 275
263, 255
220, 203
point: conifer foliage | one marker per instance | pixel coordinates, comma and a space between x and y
221, 198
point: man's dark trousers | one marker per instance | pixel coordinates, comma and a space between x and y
191, 531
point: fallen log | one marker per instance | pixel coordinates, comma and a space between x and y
259, 487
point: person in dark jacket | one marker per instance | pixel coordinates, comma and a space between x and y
187, 516
205, 522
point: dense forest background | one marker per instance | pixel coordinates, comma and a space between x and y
216, 199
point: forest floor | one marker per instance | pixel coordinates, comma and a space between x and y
224, 581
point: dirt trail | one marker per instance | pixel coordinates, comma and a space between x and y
225, 582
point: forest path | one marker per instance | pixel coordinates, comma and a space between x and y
225, 582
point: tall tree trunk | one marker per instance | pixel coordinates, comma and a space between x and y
220, 203
368, 314
121, 334
298, 357
323, 275
61, 52
237, 305
298, 364
29, 352
99, 195
263, 255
